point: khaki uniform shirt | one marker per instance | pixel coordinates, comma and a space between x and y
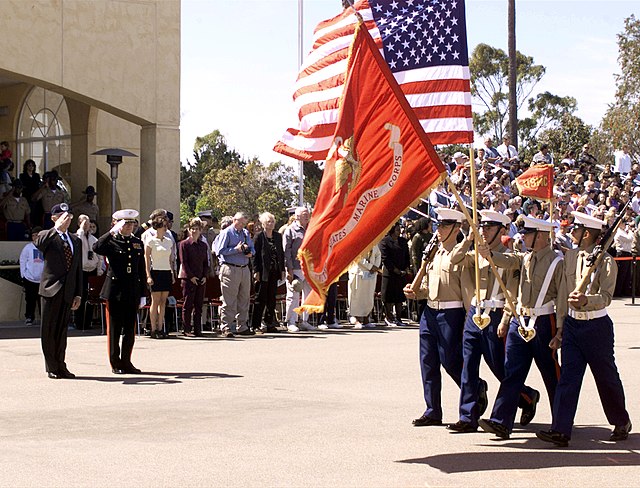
535, 265
50, 198
442, 278
15, 210
602, 282
91, 210
505, 260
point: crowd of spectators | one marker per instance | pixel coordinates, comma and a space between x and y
251, 258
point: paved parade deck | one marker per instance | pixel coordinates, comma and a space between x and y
310, 409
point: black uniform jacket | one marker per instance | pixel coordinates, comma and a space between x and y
126, 272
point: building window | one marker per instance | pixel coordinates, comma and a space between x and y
44, 131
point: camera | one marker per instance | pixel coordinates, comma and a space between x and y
245, 249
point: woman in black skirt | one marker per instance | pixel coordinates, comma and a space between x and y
160, 276
396, 262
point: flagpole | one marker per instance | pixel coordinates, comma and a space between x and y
477, 236
300, 60
478, 319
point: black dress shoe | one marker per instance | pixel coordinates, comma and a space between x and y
117, 371
53, 376
494, 428
425, 421
554, 437
483, 400
272, 329
66, 374
461, 427
529, 411
246, 332
621, 432
131, 369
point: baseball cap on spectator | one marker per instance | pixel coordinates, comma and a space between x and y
460, 155
59, 208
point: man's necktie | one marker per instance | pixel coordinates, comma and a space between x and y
68, 254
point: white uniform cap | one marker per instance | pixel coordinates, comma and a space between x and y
449, 214
460, 155
125, 214
635, 190
531, 223
493, 216
584, 220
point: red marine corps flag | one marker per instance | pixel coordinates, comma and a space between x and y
537, 182
380, 162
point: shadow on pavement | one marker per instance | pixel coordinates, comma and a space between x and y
541, 455
156, 378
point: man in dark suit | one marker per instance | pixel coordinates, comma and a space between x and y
122, 287
60, 288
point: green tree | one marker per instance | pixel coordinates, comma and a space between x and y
250, 187
571, 133
313, 172
620, 123
489, 67
548, 113
211, 153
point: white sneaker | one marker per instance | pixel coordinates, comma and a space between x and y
389, 323
358, 325
307, 326
353, 320
323, 327
292, 328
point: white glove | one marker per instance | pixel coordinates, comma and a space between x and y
143, 302
117, 227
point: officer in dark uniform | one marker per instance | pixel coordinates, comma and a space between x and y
122, 287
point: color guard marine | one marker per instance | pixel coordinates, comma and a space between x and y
487, 339
588, 337
440, 322
542, 304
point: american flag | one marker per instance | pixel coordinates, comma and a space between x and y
425, 45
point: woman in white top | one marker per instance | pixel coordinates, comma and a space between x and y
160, 276
363, 275
91, 266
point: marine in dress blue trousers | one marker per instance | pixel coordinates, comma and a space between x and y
519, 357
440, 345
476, 344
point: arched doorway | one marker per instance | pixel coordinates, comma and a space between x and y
44, 130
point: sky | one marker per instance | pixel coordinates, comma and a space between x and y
240, 60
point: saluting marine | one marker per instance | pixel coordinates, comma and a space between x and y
122, 287
487, 342
442, 317
588, 338
542, 304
